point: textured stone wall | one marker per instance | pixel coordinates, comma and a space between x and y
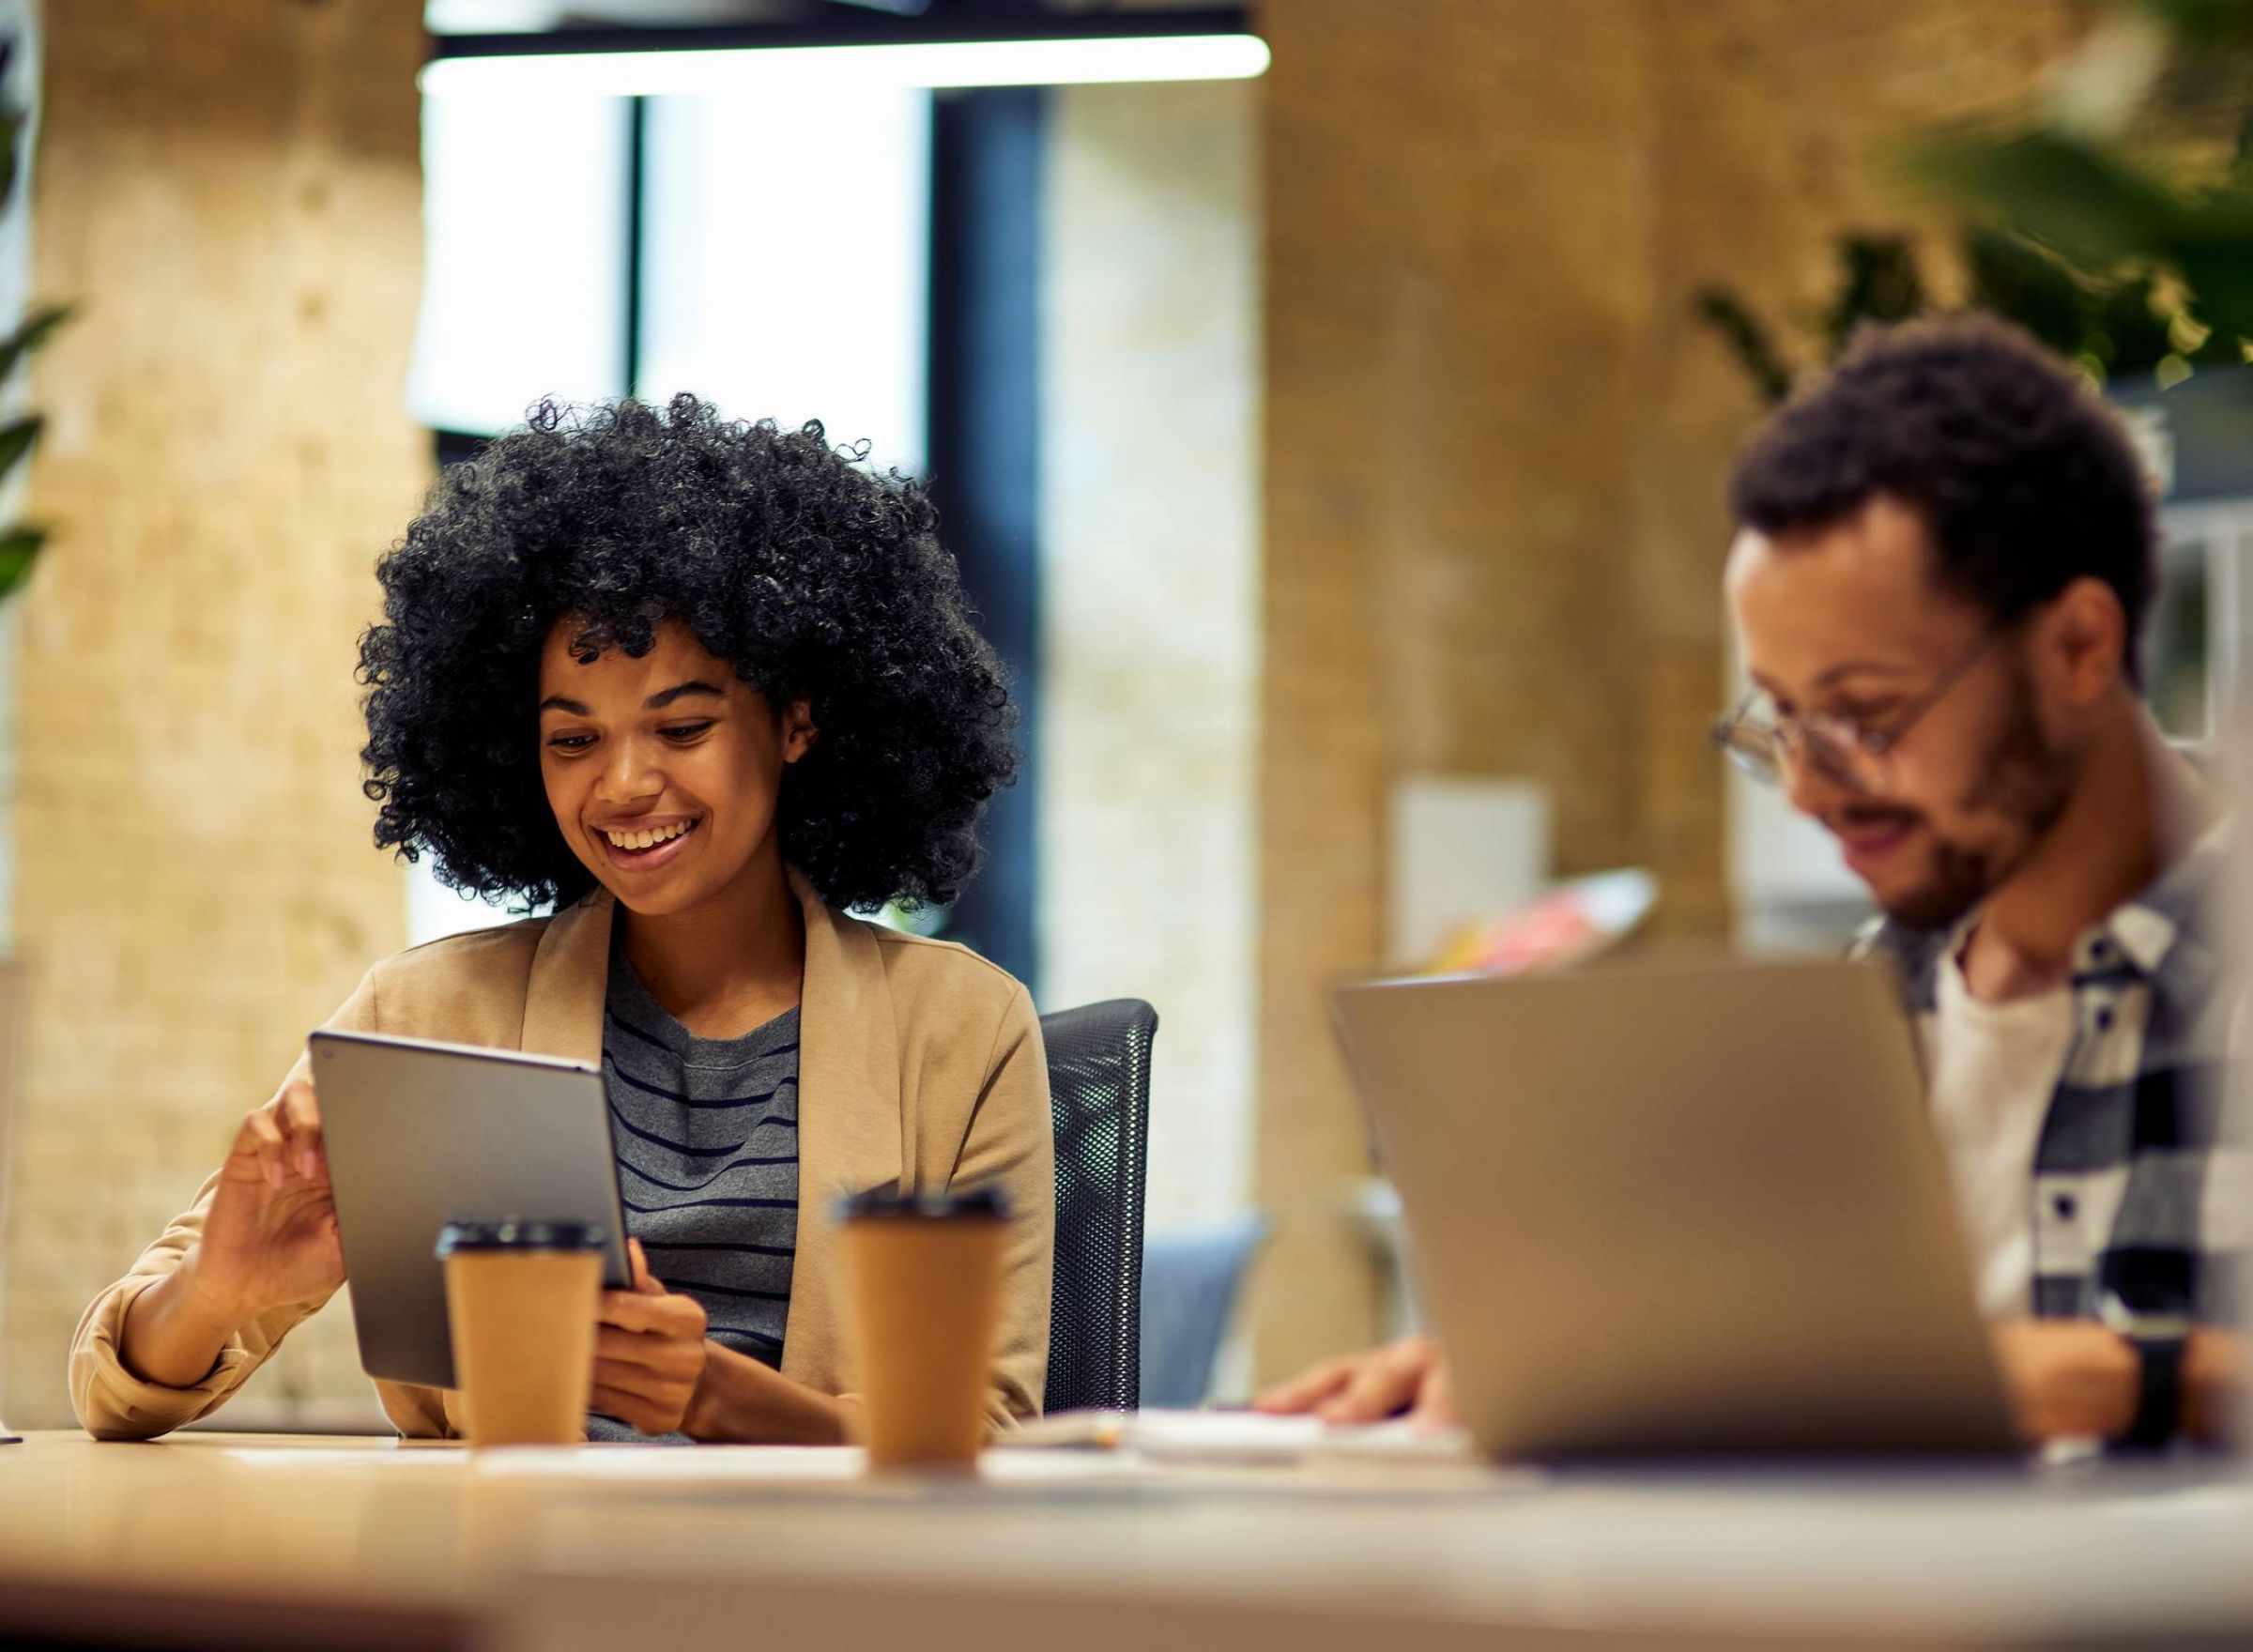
232, 191
1150, 652
1495, 448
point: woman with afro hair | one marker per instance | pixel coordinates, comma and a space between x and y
701, 689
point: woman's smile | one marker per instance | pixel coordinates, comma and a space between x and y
643, 846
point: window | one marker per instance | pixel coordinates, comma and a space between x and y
525, 211
785, 260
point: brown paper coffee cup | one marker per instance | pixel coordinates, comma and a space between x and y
927, 1278
521, 1299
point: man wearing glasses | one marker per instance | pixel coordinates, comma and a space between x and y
1945, 555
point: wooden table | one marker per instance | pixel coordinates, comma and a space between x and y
257, 1542
190, 1541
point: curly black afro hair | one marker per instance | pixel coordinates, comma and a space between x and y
2025, 478
817, 578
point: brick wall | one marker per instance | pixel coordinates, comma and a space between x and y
1495, 449
231, 190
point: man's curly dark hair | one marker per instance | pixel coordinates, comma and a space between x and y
2025, 478
815, 577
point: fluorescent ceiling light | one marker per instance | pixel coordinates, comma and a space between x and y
956, 63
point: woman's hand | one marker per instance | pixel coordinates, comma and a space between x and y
1407, 1376
649, 1352
269, 1239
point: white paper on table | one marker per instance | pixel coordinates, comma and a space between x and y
386, 1457
821, 1463
818, 1463
1234, 1437
771, 1464
1398, 1440
762, 1465
1114, 1446
1178, 1436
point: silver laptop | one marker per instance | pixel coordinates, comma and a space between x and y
420, 1133
1678, 1211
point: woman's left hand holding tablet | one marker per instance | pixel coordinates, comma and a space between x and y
649, 1352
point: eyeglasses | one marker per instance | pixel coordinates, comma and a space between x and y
1838, 748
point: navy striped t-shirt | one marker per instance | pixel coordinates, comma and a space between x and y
706, 1132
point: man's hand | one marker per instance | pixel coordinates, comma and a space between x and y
1367, 1387
2214, 1386
649, 1352
2068, 1378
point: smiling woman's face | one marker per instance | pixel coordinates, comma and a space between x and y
662, 771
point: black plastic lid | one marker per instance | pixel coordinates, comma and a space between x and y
518, 1234
981, 1203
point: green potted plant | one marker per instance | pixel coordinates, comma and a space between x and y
20, 543
2112, 217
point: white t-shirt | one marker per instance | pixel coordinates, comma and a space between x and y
1993, 1068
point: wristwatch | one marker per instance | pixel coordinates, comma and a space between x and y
2158, 1340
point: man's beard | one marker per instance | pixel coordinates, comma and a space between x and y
2024, 780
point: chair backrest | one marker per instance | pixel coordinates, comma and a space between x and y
1190, 1282
1099, 1094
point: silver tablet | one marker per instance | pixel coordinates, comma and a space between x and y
420, 1135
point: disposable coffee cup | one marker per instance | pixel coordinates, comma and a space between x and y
927, 1285
521, 1298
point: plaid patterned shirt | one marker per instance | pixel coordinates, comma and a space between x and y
2135, 1194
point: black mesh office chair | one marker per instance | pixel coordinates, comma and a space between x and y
1099, 1092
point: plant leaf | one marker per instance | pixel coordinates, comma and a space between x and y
19, 548
1728, 315
2092, 205
15, 440
2216, 261
1877, 282
2205, 24
12, 123
2014, 277
30, 336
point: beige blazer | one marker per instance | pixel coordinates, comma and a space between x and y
920, 1066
